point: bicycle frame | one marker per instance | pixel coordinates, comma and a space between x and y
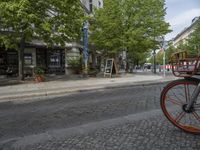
194, 96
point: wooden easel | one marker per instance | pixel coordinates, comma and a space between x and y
110, 68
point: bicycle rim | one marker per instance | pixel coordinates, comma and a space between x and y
174, 99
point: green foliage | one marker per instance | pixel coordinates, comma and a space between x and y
169, 51
191, 45
38, 71
106, 27
75, 63
52, 21
159, 57
194, 41
131, 25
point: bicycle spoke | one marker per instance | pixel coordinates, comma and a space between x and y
180, 116
186, 92
174, 101
196, 116
176, 96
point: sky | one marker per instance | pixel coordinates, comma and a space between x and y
180, 14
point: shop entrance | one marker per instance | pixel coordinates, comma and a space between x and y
53, 61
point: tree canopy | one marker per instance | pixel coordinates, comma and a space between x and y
130, 25
106, 27
193, 44
52, 21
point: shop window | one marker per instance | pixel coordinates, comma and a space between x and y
12, 63
55, 60
3, 66
2, 60
41, 58
28, 59
12, 58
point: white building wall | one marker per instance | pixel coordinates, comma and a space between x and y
184, 35
95, 3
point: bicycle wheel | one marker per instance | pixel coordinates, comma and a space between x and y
174, 99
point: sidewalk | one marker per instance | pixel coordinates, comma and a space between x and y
66, 86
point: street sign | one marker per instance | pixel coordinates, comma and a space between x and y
110, 68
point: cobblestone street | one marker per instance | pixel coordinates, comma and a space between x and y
126, 118
154, 133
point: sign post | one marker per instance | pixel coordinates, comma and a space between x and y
110, 67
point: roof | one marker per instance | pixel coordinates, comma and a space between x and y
194, 22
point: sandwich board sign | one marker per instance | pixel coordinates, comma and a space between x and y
110, 68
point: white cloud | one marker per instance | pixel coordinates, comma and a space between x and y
183, 18
179, 22
172, 1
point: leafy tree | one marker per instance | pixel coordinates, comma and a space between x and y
52, 21
169, 51
159, 57
144, 23
106, 27
131, 25
194, 41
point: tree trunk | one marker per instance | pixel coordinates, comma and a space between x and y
93, 59
117, 60
127, 66
21, 58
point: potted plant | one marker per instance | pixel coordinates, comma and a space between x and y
75, 65
39, 74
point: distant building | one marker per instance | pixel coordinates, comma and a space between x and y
91, 4
182, 37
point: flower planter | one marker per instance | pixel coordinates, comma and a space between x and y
39, 78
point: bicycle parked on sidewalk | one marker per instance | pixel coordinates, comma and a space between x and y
180, 100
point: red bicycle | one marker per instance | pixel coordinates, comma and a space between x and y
180, 101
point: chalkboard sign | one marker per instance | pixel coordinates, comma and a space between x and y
110, 67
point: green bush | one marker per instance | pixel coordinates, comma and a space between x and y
38, 71
74, 63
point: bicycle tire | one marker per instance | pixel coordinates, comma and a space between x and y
173, 101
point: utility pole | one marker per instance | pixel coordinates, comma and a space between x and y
154, 61
163, 62
163, 48
85, 47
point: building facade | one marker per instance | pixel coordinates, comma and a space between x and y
182, 37
91, 4
37, 54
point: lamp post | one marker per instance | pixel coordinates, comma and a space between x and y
85, 46
163, 62
154, 61
163, 48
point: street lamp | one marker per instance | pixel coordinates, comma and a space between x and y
163, 48
154, 61
163, 62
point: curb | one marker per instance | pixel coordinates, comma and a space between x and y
55, 92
